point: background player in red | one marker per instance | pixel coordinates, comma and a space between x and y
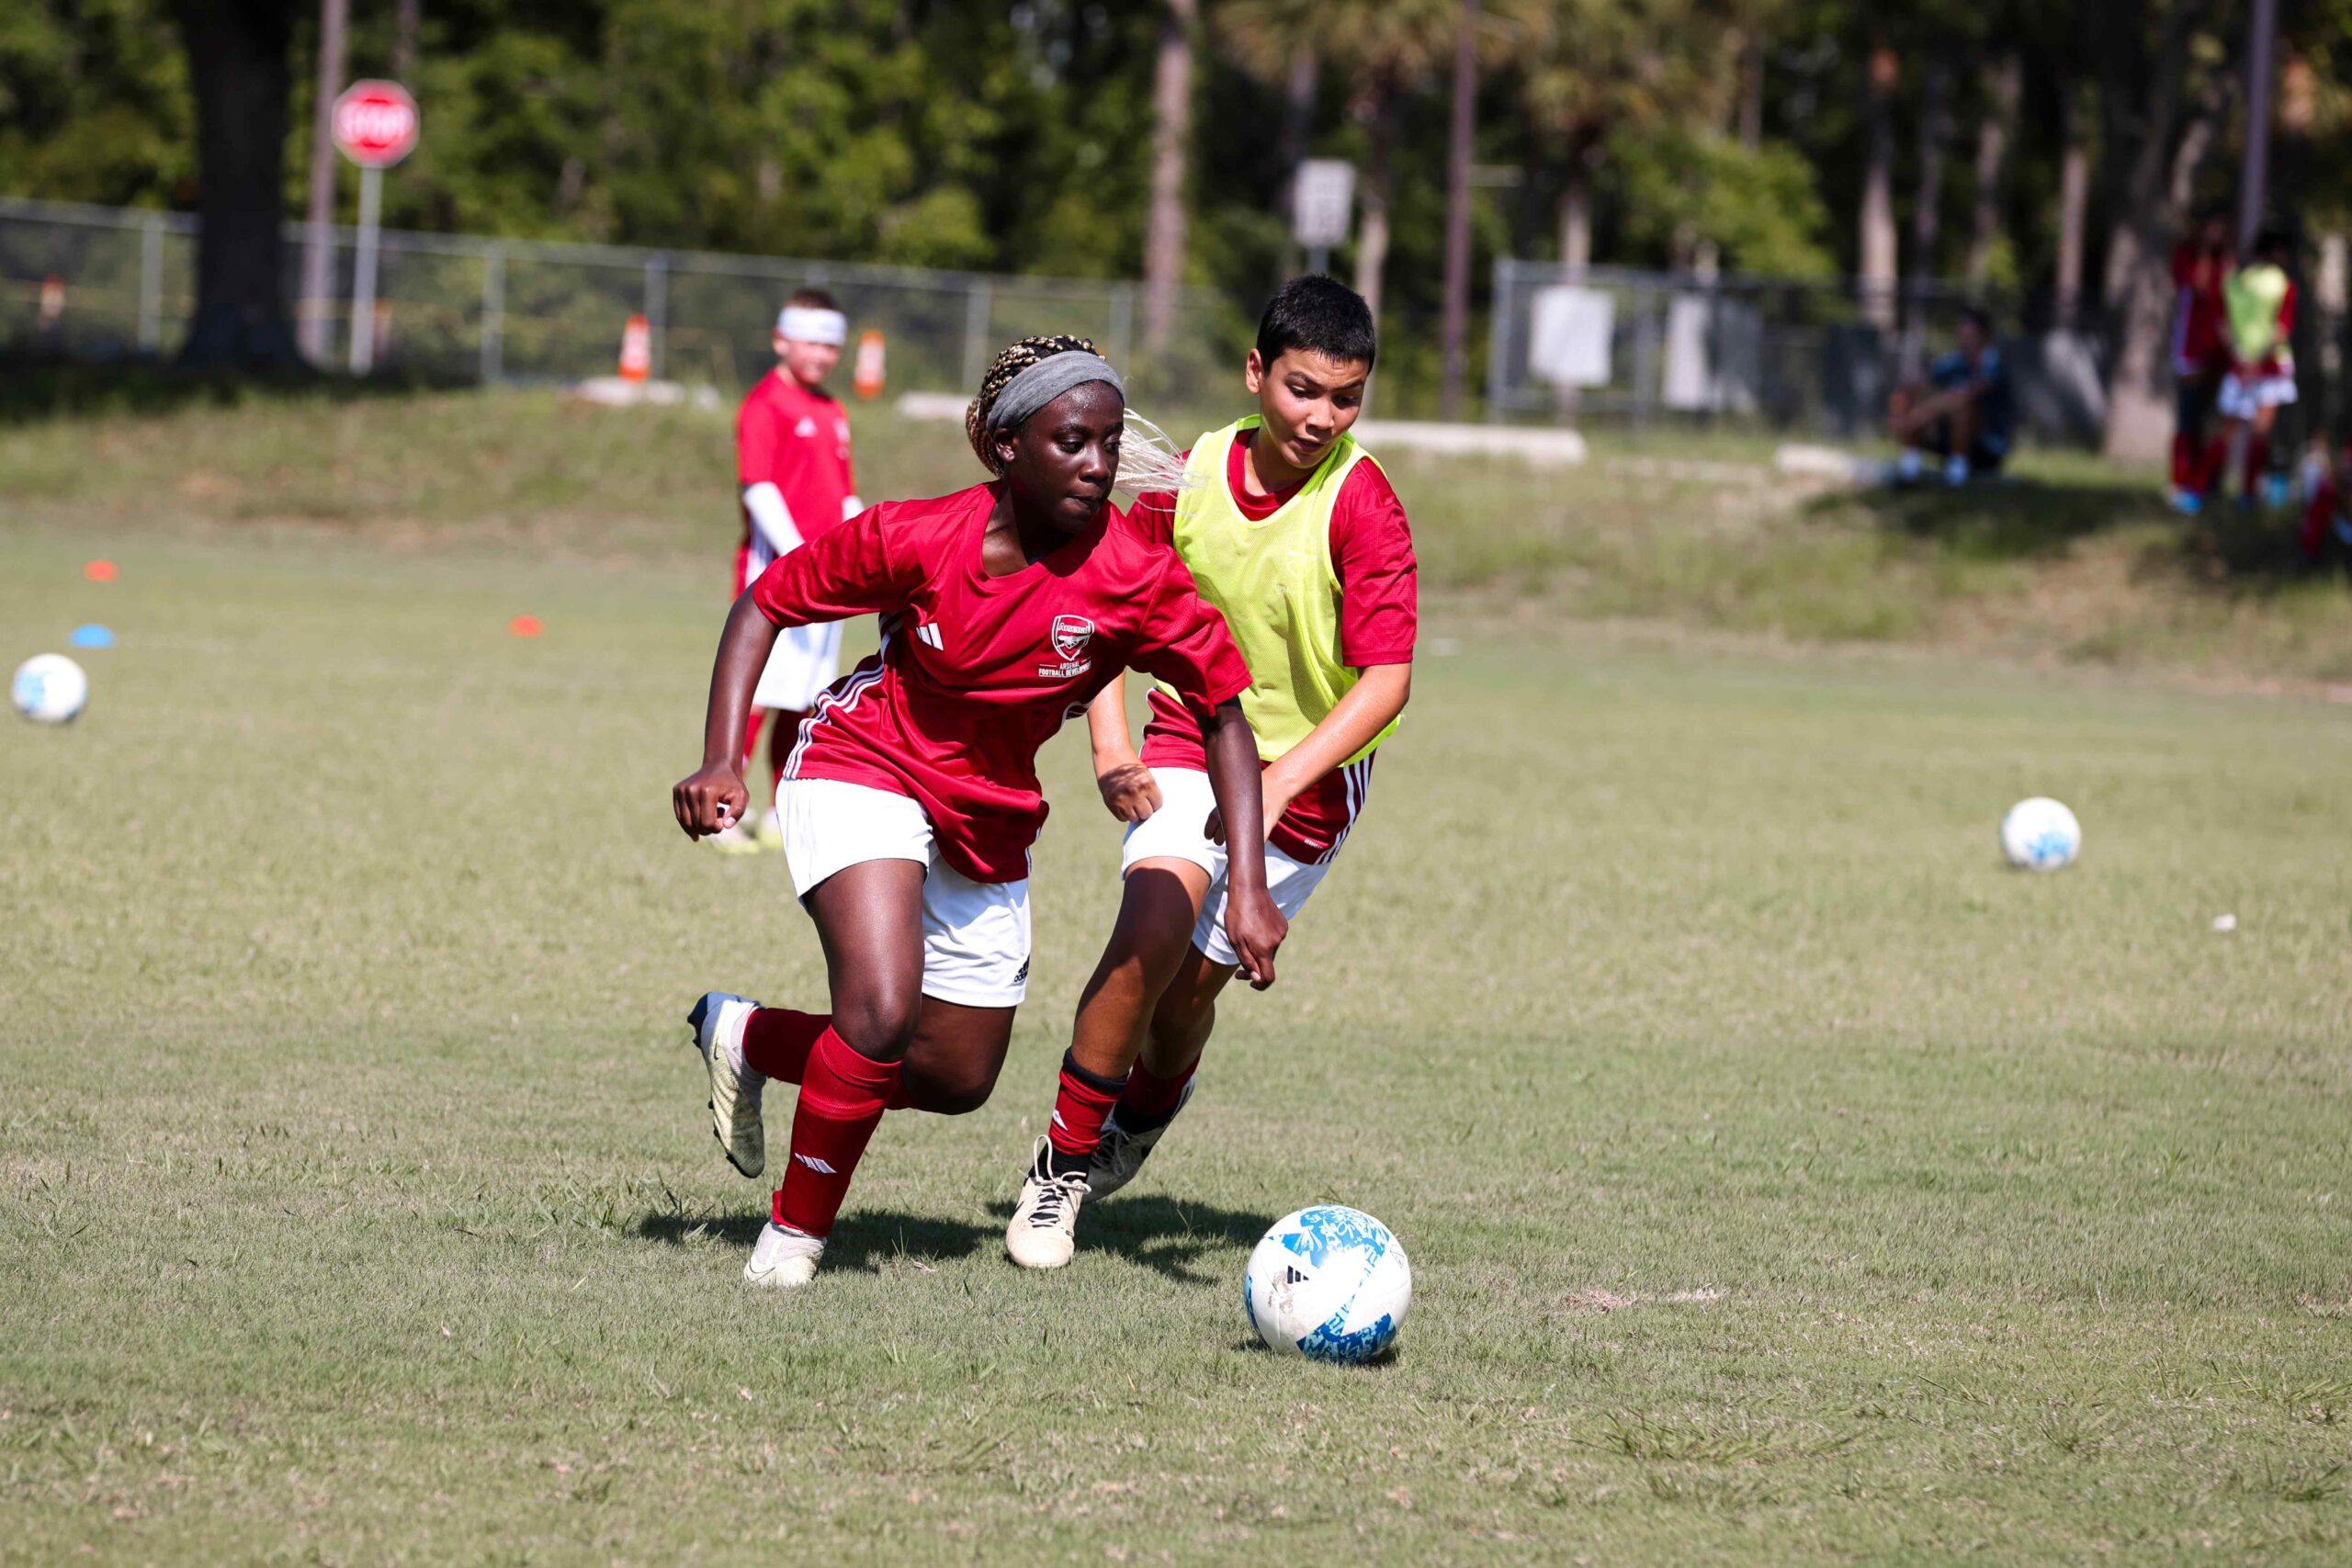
1293, 532
2201, 263
911, 799
2259, 315
793, 471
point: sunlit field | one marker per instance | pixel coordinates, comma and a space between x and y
1785, 1179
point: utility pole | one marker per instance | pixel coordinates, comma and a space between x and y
2262, 45
1454, 329
311, 327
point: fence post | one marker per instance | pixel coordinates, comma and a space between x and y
493, 316
1498, 325
978, 351
657, 313
151, 283
1644, 356
1123, 323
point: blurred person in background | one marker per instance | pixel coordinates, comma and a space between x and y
2201, 263
1965, 413
2258, 320
794, 477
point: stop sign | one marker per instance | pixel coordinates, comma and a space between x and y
375, 123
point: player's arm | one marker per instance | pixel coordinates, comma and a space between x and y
771, 517
1370, 706
850, 571
1126, 784
1255, 926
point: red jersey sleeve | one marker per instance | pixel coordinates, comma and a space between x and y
2287, 314
1183, 641
1371, 551
1154, 517
854, 569
757, 436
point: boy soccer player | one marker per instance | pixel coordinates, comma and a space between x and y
791, 469
1292, 531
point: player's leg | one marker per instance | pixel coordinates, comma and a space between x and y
1961, 440
2257, 447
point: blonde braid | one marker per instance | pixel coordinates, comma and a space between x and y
1016, 359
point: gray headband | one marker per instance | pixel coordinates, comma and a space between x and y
1045, 381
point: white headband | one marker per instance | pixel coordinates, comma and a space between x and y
805, 324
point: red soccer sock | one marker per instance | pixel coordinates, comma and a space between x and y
776, 1041
2208, 467
1150, 1100
842, 1099
2257, 461
1079, 1109
2184, 460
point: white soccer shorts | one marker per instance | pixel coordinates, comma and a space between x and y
1178, 832
974, 934
2238, 398
805, 661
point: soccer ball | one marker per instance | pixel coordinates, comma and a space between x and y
2040, 835
50, 688
1327, 1283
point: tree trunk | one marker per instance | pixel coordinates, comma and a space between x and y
314, 316
2004, 89
2138, 288
1575, 203
1298, 130
1926, 212
1454, 327
1371, 224
243, 80
1172, 137
1877, 236
406, 21
1751, 89
2074, 208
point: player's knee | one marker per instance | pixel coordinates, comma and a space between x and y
876, 1023
959, 1091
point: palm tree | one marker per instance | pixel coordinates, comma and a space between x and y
1171, 142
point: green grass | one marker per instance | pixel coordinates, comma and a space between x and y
1785, 1180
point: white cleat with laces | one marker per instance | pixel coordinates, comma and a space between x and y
783, 1258
1043, 1233
718, 1020
1121, 1154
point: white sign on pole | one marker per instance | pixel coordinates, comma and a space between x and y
1323, 203
1568, 337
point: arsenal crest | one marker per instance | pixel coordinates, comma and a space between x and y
1070, 635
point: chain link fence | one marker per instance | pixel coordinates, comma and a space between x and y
98, 283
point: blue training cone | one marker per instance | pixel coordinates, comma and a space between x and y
93, 636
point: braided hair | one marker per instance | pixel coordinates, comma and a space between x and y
1016, 359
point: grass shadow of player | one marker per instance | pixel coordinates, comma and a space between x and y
863, 1239
1164, 1235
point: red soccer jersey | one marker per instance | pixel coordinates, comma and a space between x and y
975, 672
1371, 551
2198, 310
797, 440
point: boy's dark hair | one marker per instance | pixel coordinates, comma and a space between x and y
1976, 316
2275, 239
812, 299
1319, 313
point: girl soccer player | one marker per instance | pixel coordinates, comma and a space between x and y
911, 798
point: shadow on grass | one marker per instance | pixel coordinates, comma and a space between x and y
863, 1238
2227, 549
1162, 1234
35, 388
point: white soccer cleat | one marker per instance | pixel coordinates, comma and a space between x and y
1121, 1154
1043, 1233
784, 1258
718, 1020
735, 838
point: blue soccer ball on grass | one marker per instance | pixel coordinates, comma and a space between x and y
1329, 1283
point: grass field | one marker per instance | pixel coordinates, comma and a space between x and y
1785, 1180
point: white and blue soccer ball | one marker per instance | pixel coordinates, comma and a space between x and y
2040, 835
1329, 1283
49, 688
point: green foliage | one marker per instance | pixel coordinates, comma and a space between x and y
1678, 187
94, 102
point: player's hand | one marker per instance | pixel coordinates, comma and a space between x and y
1256, 929
1129, 791
709, 801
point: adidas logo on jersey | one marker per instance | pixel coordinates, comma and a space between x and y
806, 427
929, 632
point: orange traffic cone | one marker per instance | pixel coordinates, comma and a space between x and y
867, 380
637, 349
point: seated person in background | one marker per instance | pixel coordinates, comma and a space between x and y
1966, 414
